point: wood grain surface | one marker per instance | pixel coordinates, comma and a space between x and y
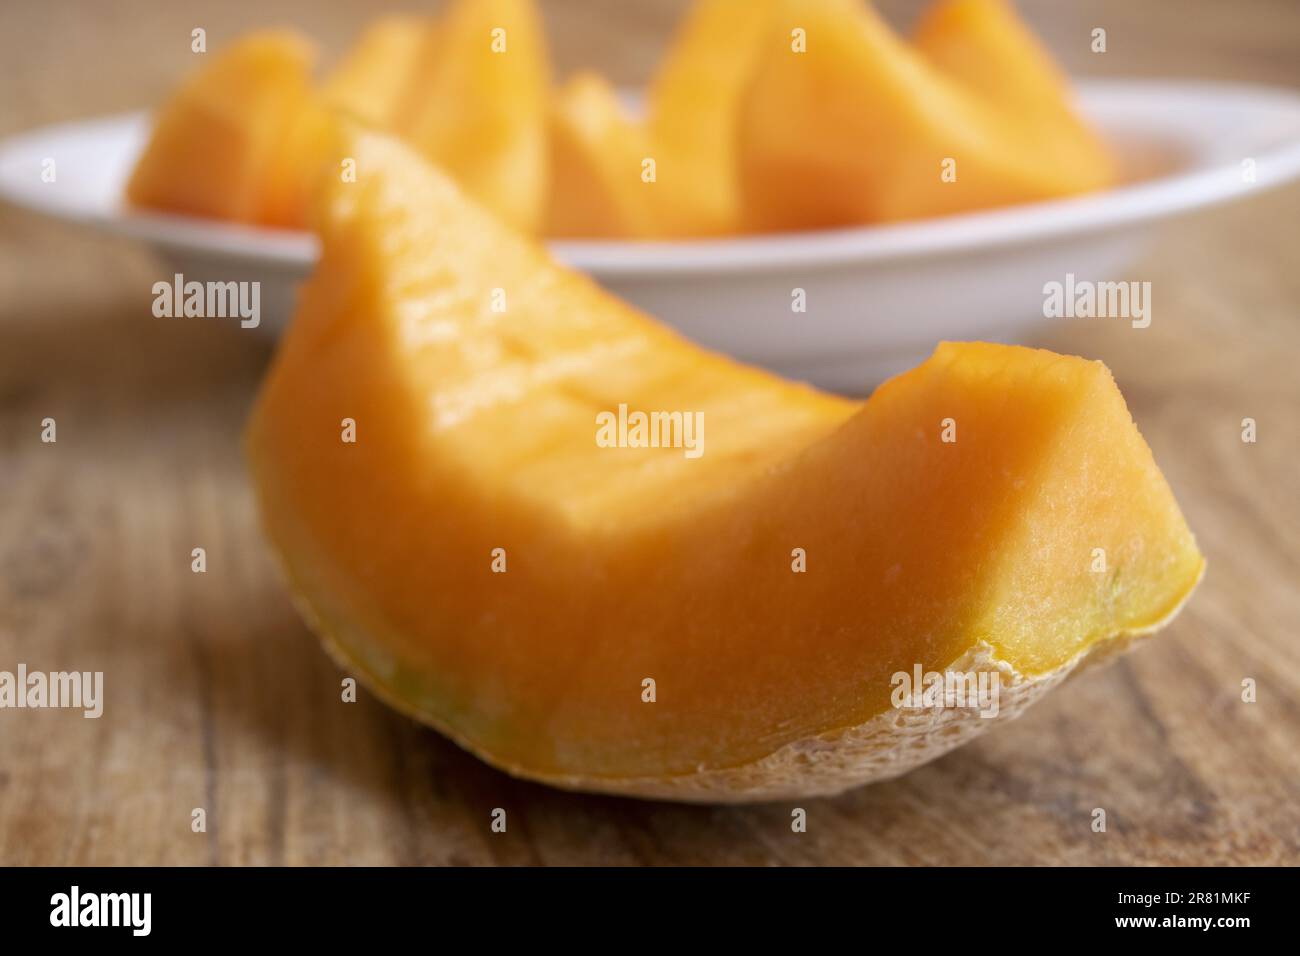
218, 698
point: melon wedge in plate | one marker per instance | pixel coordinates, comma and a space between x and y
239, 137
597, 155
692, 108
844, 122
372, 82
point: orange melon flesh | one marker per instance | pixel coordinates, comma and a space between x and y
297, 162
475, 430
986, 48
227, 142
372, 81
692, 111
597, 151
990, 50
477, 105
858, 128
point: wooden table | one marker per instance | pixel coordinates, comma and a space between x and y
218, 698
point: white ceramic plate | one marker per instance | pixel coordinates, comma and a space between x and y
878, 297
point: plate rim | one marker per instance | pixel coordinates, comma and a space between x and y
1141, 202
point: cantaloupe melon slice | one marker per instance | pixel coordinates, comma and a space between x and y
473, 372
477, 105
692, 111
983, 46
224, 143
597, 160
290, 175
861, 127
372, 81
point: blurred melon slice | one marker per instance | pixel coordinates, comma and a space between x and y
227, 143
292, 171
597, 154
477, 105
485, 564
692, 111
983, 46
372, 81
861, 127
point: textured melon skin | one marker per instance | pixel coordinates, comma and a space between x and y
881, 748
626, 565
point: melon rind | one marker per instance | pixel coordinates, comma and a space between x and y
886, 746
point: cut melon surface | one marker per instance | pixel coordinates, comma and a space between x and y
693, 107
985, 48
844, 122
476, 443
373, 80
476, 105
221, 144
597, 157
